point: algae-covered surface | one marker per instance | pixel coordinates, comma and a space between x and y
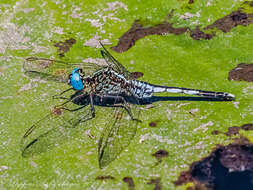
192, 44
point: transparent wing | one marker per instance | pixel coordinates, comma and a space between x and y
112, 62
54, 70
54, 128
116, 135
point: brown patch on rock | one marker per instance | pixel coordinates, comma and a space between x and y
247, 127
232, 20
243, 72
138, 31
215, 132
225, 24
130, 182
64, 47
153, 124
232, 131
227, 167
237, 157
184, 177
191, 1
106, 177
57, 111
241, 140
235, 129
156, 182
160, 154
197, 34
136, 75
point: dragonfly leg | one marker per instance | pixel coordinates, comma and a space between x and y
84, 119
122, 105
71, 110
92, 109
61, 105
61, 97
58, 96
70, 100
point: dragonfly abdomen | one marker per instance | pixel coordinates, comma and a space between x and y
144, 90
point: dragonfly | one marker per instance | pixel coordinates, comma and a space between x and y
107, 85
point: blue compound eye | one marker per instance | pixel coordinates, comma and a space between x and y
75, 80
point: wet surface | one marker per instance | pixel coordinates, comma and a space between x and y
225, 24
106, 177
227, 167
243, 72
156, 182
64, 47
130, 182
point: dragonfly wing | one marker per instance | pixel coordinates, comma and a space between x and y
112, 62
116, 136
55, 70
53, 129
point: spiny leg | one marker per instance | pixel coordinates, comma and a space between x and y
122, 105
70, 100
72, 110
92, 109
84, 119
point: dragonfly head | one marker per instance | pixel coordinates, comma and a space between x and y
75, 79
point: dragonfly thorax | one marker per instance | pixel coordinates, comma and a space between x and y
107, 82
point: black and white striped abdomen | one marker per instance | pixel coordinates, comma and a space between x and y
144, 90
141, 89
